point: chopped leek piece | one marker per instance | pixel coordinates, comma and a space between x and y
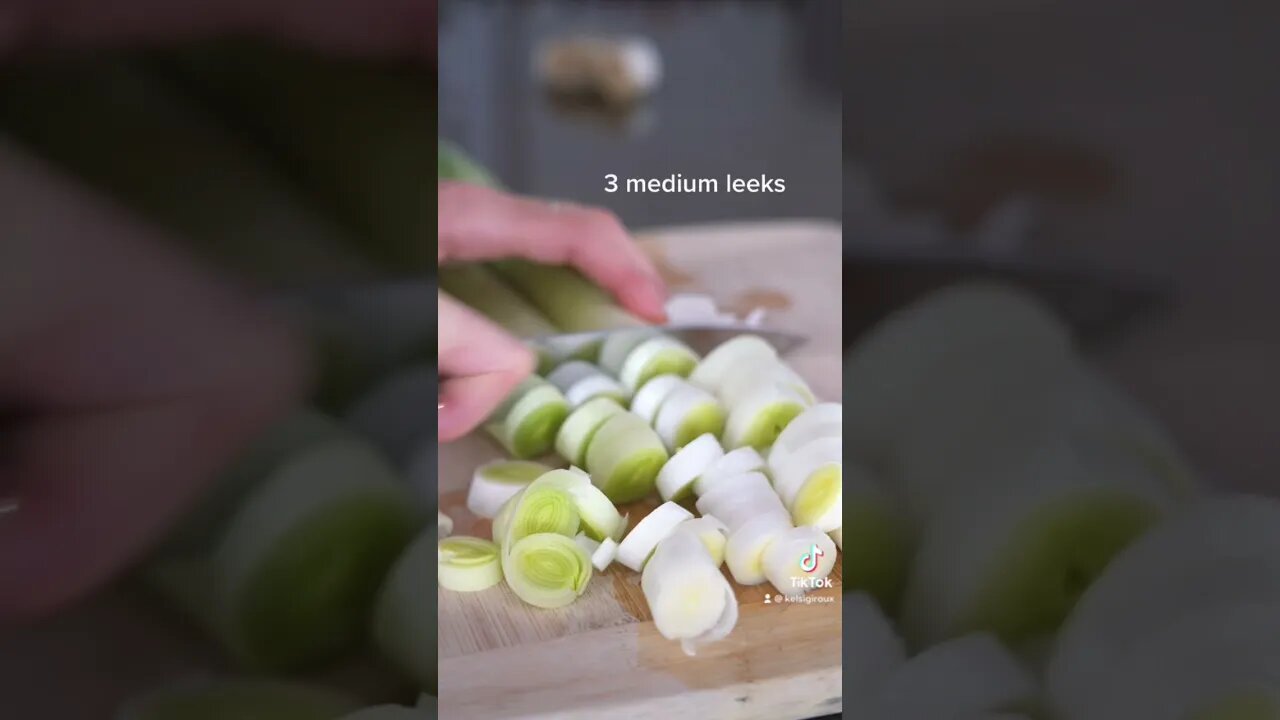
625, 457
648, 399
744, 552
734, 463
527, 423
605, 554
659, 355
688, 412
745, 497
717, 366
468, 564
546, 570
711, 532
638, 545
759, 416
618, 345
691, 601
798, 559
677, 477
495, 482
575, 434
820, 421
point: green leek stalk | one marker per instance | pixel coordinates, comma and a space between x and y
571, 301
280, 565
453, 164
143, 144
356, 136
480, 289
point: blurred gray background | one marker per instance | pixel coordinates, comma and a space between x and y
1143, 135
749, 88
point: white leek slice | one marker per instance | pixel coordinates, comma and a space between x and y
1207, 559
799, 560
635, 548
404, 617
656, 356
570, 373
1016, 562
959, 678
600, 518
604, 554
624, 458
689, 598
715, 367
539, 508
575, 435
820, 501
619, 344
744, 552
739, 499
763, 371
468, 564
735, 462
546, 570
873, 651
222, 699
596, 386
713, 534
493, 483
838, 536
760, 415
792, 472
529, 425
687, 413
648, 399
677, 476
820, 421
444, 524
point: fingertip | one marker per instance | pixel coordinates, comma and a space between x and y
646, 296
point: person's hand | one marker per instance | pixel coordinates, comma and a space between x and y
129, 376
479, 363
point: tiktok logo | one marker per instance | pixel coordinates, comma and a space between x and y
809, 561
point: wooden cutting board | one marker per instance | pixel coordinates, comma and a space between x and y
602, 657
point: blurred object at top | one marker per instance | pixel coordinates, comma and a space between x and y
619, 71
723, 89
284, 167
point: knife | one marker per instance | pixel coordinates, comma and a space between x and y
702, 338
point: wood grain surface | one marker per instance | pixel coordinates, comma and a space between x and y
602, 657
